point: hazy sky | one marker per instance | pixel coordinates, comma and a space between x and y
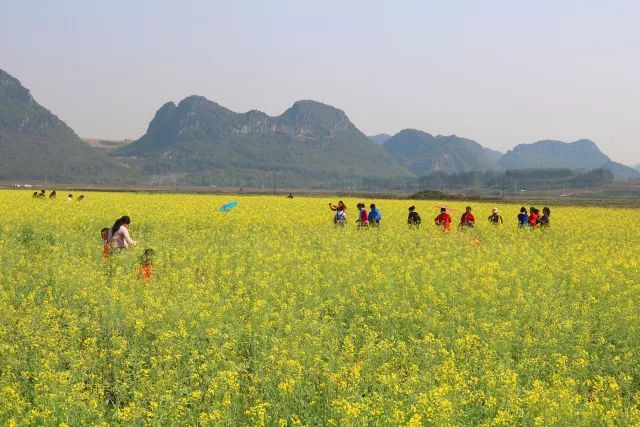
500, 72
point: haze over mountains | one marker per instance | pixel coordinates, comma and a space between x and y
311, 144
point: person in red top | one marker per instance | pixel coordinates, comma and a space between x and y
104, 233
363, 220
467, 220
145, 270
534, 215
443, 220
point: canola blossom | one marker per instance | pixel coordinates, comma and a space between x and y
269, 314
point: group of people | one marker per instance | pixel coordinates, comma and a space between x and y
117, 237
533, 219
365, 219
530, 218
52, 195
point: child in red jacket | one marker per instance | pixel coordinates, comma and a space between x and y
104, 233
534, 215
467, 220
145, 270
363, 220
443, 220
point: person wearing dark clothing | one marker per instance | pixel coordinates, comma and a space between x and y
495, 217
414, 217
545, 220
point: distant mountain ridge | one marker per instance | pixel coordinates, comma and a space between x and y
309, 141
311, 144
34, 143
581, 154
423, 153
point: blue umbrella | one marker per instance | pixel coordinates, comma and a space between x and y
227, 206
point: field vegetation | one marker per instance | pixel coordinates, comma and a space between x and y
270, 315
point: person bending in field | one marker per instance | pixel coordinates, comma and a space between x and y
495, 218
443, 220
374, 216
545, 219
467, 220
341, 213
146, 265
523, 218
414, 217
363, 217
120, 237
105, 233
534, 216
52, 195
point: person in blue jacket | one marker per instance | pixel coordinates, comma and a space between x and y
523, 217
374, 215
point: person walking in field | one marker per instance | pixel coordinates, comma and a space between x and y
467, 220
120, 237
363, 217
443, 220
523, 218
545, 219
374, 215
105, 233
145, 270
341, 213
495, 218
414, 217
534, 216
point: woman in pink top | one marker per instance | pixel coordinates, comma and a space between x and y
120, 237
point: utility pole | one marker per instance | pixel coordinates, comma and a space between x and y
503, 185
274, 182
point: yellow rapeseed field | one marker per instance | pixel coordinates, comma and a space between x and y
271, 315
